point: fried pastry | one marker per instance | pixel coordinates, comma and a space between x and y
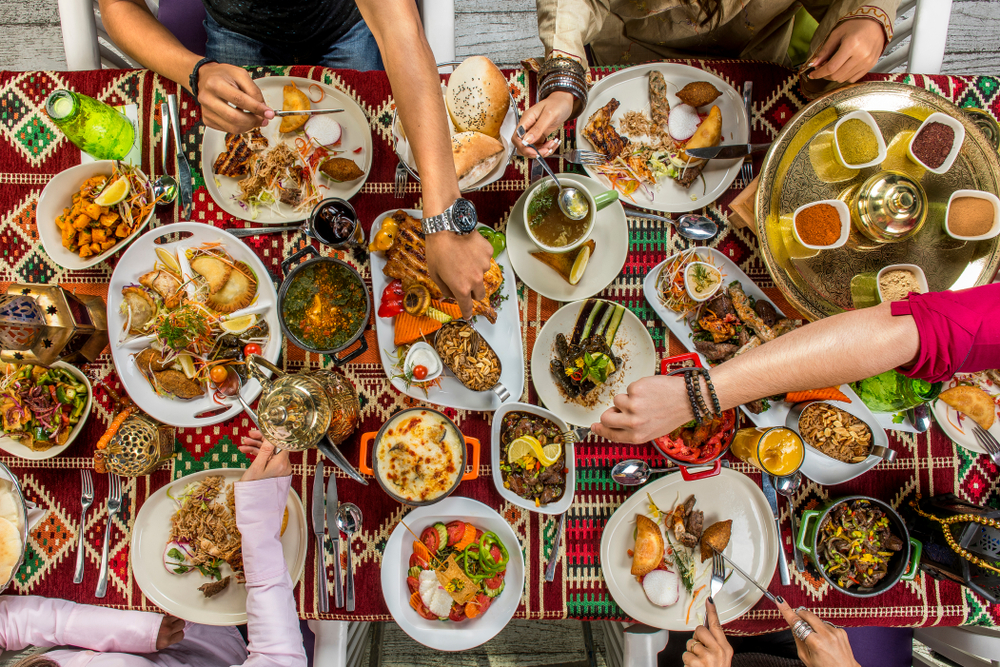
648, 551
165, 283
716, 537
214, 269
139, 307
238, 291
972, 401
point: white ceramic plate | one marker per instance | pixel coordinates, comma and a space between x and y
610, 236
947, 417
450, 636
753, 546
179, 594
15, 448
632, 344
139, 259
356, 134
631, 88
552, 508
56, 196
8, 479
504, 336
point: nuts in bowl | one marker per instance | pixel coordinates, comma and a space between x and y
835, 432
455, 343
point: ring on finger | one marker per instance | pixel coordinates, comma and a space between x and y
801, 630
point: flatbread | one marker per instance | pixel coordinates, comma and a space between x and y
10, 544
10, 507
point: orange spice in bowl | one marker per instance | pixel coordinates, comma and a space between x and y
818, 225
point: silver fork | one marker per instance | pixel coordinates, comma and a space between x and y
86, 500
401, 176
746, 172
718, 573
987, 441
114, 506
577, 156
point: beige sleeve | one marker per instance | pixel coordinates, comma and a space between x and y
566, 26
829, 14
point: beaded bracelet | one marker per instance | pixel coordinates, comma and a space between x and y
711, 389
696, 405
193, 79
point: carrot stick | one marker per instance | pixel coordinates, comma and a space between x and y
116, 424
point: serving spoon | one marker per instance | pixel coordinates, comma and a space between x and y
690, 225
635, 472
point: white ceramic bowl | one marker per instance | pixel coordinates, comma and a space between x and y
15, 448
56, 196
870, 122
918, 273
845, 223
956, 146
563, 503
978, 194
408, 363
7, 477
687, 282
532, 192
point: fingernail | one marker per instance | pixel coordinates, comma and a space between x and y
711, 600
780, 599
520, 131
527, 138
800, 609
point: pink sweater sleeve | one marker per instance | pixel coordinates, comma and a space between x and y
273, 624
38, 621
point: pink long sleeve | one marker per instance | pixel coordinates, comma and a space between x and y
273, 625
37, 621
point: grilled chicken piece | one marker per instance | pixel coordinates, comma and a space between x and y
257, 141
407, 261
601, 135
235, 160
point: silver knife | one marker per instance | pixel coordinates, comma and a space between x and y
550, 569
332, 505
727, 152
183, 168
307, 112
319, 524
772, 500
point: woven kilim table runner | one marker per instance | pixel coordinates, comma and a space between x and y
32, 150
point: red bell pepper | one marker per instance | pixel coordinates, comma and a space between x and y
392, 300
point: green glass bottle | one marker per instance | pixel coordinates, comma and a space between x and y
92, 125
892, 391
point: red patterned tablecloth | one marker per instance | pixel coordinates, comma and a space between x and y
32, 150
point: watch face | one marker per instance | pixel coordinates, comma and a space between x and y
463, 215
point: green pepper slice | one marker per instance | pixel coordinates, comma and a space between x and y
486, 558
496, 239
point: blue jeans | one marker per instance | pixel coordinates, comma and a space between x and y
355, 50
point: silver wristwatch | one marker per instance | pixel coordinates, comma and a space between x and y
460, 218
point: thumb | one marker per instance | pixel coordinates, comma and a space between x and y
252, 99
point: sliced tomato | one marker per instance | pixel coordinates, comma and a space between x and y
456, 529
484, 602
422, 609
413, 584
495, 582
479, 534
417, 561
431, 539
496, 553
457, 612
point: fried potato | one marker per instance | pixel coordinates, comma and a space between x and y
974, 402
293, 99
648, 551
716, 537
698, 94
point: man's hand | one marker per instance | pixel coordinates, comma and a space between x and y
709, 646
651, 407
219, 86
171, 632
850, 52
266, 463
543, 119
826, 646
457, 264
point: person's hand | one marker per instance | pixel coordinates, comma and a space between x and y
171, 632
541, 120
651, 407
850, 52
457, 264
218, 86
826, 646
266, 464
709, 646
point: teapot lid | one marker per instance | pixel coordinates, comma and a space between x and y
294, 412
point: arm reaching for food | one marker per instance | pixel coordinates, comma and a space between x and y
850, 38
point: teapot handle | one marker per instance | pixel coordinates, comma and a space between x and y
254, 361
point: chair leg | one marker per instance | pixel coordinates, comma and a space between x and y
642, 644
79, 32
439, 26
332, 641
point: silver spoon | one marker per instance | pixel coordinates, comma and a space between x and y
573, 204
690, 226
634, 472
786, 486
164, 187
349, 521
919, 417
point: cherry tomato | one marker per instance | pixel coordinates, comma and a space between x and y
218, 374
419, 372
251, 348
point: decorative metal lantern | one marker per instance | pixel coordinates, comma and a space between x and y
138, 447
43, 324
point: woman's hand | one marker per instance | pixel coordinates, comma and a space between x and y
220, 85
541, 120
171, 632
709, 646
651, 407
850, 52
826, 646
266, 464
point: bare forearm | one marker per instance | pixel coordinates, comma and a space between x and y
142, 37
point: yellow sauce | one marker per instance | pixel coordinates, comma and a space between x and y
778, 451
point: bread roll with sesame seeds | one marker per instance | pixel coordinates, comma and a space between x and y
477, 97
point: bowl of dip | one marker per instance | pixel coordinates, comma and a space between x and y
702, 280
418, 456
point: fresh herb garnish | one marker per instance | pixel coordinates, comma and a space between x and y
538, 206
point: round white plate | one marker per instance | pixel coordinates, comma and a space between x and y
139, 259
179, 594
450, 636
632, 344
947, 417
56, 196
504, 336
610, 236
631, 88
356, 134
753, 546
15, 448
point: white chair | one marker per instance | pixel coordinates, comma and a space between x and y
966, 646
927, 30
635, 645
339, 643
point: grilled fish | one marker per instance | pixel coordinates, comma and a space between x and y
599, 132
235, 160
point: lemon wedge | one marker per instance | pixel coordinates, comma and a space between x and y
579, 265
114, 193
169, 260
187, 365
528, 445
239, 324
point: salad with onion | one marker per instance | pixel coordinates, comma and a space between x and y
41, 405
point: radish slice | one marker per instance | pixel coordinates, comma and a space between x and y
682, 123
177, 558
662, 587
324, 130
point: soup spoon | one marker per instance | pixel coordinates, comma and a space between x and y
573, 204
164, 187
634, 472
689, 225
349, 520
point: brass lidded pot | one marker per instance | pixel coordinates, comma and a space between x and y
889, 207
294, 411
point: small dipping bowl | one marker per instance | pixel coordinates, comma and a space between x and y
976, 194
843, 213
422, 354
956, 146
918, 273
868, 120
703, 296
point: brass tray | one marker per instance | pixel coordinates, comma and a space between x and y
820, 285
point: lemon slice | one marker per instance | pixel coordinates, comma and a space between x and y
114, 193
239, 324
528, 445
187, 365
169, 260
551, 454
579, 265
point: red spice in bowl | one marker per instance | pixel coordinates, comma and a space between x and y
933, 144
